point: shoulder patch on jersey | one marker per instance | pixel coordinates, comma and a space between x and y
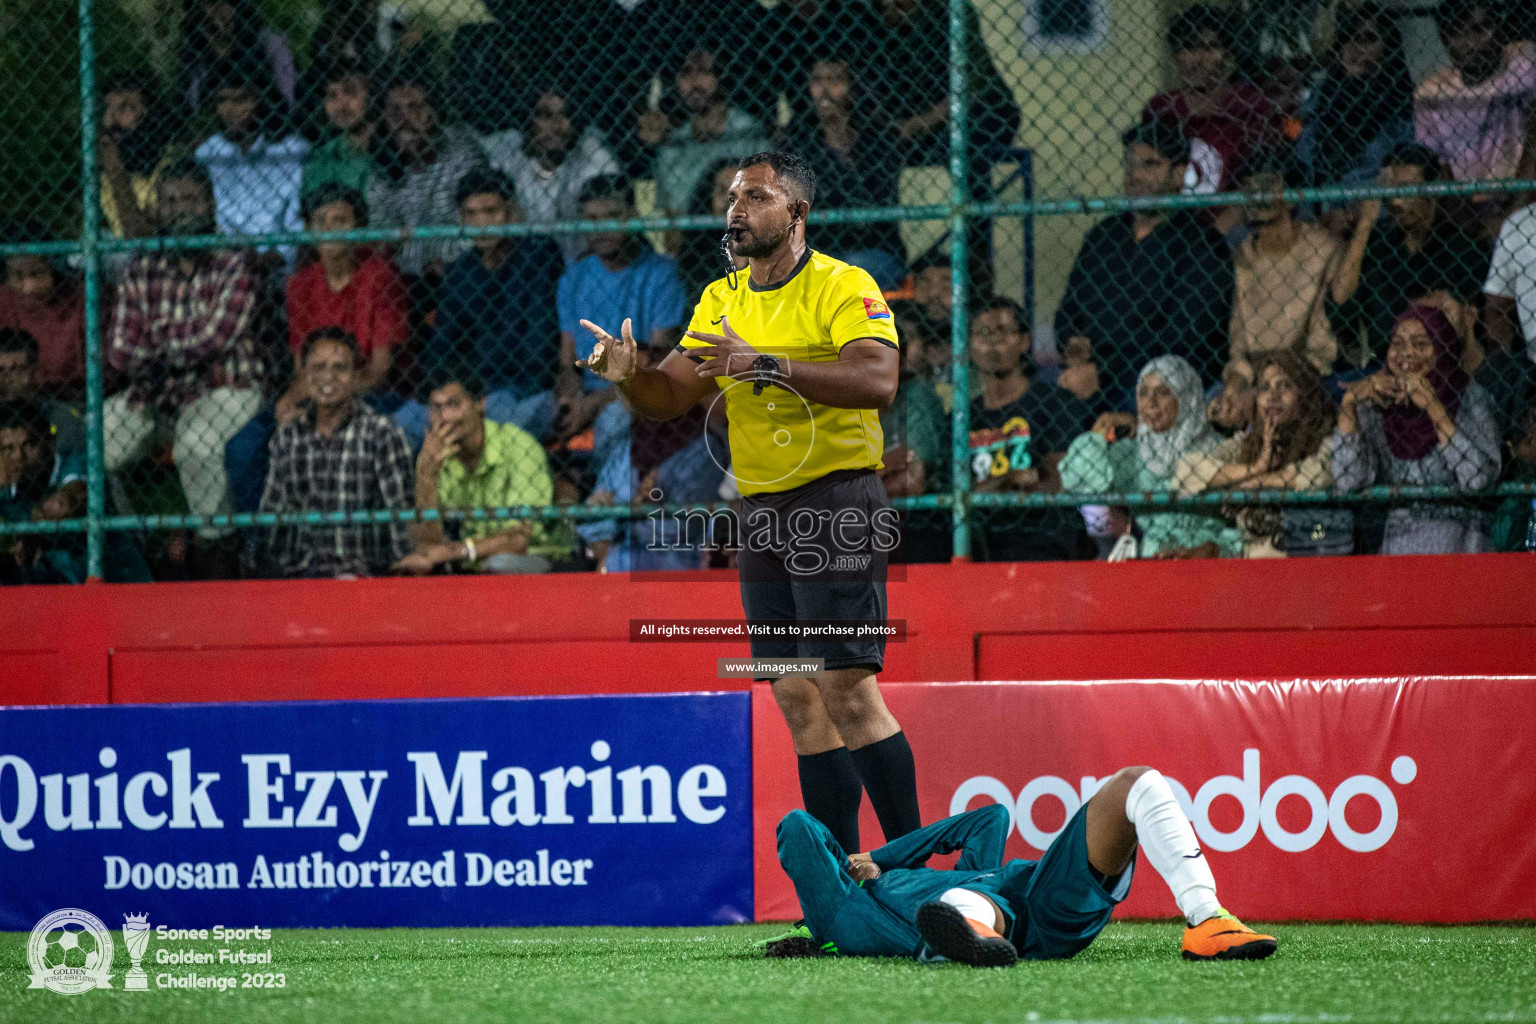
875, 309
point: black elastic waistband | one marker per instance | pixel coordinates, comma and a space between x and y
832, 479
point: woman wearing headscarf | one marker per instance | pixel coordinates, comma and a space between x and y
1364, 104
1137, 454
1421, 422
1288, 448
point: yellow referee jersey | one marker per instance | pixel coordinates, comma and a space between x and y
778, 439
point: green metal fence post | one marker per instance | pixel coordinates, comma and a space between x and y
960, 276
90, 236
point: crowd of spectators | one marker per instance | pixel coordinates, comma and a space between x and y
1266, 346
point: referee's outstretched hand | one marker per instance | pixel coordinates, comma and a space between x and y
612, 358
726, 354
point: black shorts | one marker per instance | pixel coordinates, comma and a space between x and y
818, 552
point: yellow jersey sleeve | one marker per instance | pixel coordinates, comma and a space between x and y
858, 309
706, 316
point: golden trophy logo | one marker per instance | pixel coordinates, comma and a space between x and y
136, 938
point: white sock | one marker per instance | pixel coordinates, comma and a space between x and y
976, 907
1169, 841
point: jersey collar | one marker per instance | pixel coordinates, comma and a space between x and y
792, 275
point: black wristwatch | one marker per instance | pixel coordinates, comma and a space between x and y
765, 371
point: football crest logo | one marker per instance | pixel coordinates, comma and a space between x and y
70, 952
874, 309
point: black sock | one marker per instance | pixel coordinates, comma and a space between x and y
831, 791
890, 779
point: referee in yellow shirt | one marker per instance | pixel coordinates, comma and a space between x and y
804, 350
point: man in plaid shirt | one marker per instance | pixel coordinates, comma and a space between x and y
182, 336
337, 456
419, 165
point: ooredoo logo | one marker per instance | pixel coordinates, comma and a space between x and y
1260, 804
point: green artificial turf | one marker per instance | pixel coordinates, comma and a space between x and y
1323, 974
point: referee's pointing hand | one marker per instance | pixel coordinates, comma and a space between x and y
726, 354
612, 358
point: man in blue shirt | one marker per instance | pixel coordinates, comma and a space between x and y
496, 315
623, 278
38, 482
674, 462
256, 170
21, 380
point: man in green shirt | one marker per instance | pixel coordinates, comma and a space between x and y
468, 461
346, 157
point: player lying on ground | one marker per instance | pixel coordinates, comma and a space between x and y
989, 914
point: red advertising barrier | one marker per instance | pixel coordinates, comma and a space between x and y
569, 633
1368, 799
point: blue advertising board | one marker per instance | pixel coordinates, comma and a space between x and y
624, 810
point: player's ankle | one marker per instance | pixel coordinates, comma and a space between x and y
1196, 920
1199, 905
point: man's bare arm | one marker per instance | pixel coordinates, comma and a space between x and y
661, 393
864, 375
667, 391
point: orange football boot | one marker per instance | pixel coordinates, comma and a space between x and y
1224, 937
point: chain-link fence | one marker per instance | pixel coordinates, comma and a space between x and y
295, 287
